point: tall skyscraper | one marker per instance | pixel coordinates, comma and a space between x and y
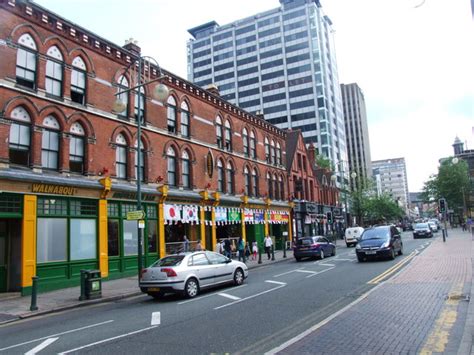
280, 63
357, 132
392, 174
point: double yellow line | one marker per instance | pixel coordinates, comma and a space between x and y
392, 270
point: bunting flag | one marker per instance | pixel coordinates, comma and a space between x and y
172, 212
190, 214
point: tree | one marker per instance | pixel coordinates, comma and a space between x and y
323, 162
382, 209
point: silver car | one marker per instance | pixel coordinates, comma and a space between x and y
188, 273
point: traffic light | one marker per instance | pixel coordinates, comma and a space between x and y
442, 205
329, 217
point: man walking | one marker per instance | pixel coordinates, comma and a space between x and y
268, 245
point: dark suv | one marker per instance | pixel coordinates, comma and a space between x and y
379, 242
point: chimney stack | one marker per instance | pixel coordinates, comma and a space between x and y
132, 47
213, 89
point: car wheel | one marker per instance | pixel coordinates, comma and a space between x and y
360, 259
392, 254
238, 277
157, 295
348, 245
298, 259
400, 252
321, 254
191, 289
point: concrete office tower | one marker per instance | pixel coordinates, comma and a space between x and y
281, 63
392, 174
357, 132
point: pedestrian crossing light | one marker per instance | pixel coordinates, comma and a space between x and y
442, 205
329, 217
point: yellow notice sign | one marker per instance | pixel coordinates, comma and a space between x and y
135, 215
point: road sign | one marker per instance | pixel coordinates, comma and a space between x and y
135, 215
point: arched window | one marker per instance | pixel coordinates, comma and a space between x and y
229, 179
219, 133
123, 97
253, 145
121, 161
54, 72
171, 157
245, 140
142, 161
220, 176
267, 150
50, 144
171, 114
228, 137
140, 104
278, 154
19, 139
76, 148
78, 81
254, 183
26, 61
186, 170
282, 188
273, 152
247, 181
185, 118
276, 190
269, 186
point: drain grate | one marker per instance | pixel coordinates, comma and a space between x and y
5, 317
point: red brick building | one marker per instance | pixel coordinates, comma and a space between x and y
69, 163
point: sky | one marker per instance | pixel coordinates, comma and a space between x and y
413, 59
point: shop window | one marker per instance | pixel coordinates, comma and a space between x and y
26, 61
171, 114
54, 72
113, 237
83, 208
121, 157
140, 105
130, 238
152, 228
171, 158
10, 204
19, 138
78, 81
51, 240
185, 119
76, 149
83, 239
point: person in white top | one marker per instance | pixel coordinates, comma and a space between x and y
268, 242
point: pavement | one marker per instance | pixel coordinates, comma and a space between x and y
424, 308
13, 307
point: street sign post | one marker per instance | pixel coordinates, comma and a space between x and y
135, 215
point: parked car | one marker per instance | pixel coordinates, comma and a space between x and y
311, 247
188, 273
379, 242
352, 235
422, 230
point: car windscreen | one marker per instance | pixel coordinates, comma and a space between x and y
421, 226
173, 260
305, 241
378, 233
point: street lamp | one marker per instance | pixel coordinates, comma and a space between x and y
147, 65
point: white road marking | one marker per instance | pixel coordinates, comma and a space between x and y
235, 298
307, 271
107, 340
54, 335
327, 264
155, 318
275, 282
40, 347
288, 272
320, 272
250, 297
209, 295
343, 259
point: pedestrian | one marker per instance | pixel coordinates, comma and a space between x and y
241, 249
227, 248
219, 248
185, 244
198, 246
247, 250
268, 244
254, 250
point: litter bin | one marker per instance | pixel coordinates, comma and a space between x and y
92, 284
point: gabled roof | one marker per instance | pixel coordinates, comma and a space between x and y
291, 145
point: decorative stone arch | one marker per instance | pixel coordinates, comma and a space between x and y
145, 140
256, 168
58, 42
53, 110
171, 144
24, 101
20, 30
190, 150
187, 100
125, 131
83, 121
79, 52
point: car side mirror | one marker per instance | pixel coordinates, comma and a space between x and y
228, 260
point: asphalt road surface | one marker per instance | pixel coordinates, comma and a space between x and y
276, 303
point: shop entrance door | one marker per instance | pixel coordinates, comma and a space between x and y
3, 256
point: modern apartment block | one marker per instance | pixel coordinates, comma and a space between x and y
392, 176
357, 132
280, 63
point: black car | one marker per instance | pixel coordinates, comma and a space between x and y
422, 230
310, 247
379, 242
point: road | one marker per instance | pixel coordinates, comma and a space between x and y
276, 303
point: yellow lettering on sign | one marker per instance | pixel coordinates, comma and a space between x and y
52, 189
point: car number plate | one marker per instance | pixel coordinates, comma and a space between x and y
304, 248
154, 289
370, 252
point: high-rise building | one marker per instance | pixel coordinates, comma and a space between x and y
392, 174
280, 63
357, 132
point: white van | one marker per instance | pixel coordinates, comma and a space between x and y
352, 235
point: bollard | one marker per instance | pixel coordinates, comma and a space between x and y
82, 297
259, 255
284, 248
444, 236
273, 253
34, 293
